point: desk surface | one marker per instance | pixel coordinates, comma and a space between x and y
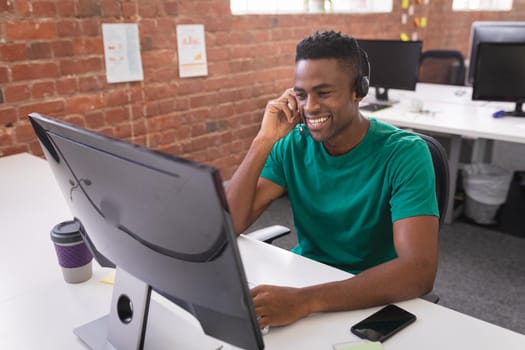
449, 109
39, 310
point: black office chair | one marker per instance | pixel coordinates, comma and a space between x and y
442, 175
442, 67
441, 170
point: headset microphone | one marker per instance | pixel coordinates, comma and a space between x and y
302, 121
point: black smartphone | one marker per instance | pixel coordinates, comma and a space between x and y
383, 324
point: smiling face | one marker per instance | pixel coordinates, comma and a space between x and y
327, 100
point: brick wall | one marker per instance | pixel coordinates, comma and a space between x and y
51, 62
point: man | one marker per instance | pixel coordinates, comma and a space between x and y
362, 192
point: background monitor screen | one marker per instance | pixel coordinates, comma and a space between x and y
162, 219
394, 64
489, 31
500, 74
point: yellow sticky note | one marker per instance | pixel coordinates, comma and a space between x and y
403, 36
375, 345
423, 23
109, 278
404, 4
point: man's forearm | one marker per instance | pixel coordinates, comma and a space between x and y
387, 283
242, 187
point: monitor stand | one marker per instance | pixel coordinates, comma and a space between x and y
517, 112
381, 101
131, 310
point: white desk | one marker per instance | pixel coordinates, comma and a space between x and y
38, 310
449, 110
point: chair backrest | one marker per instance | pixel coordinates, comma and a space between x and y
441, 170
442, 66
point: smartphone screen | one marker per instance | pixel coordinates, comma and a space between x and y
383, 324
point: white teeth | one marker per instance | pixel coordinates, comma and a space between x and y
317, 120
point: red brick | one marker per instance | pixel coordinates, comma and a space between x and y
123, 131
89, 46
14, 149
68, 28
79, 66
151, 109
91, 27
88, 8
24, 133
23, 8
137, 111
198, 129
7, 116
171, 8
5, 140
4, 76
148, 9
95, 119
203, 100
139, 127
34, 71
162, 41
160, 74
84, 103
116, 97
39, 50
116, 115
62, 48
44, 9
129, 9
43, 89
159, 91
111, 8
75, 118
89, 83
4, 5
66, 86
35, 149
16, 93
13, 52
51, 108
66, 8
30, 30
158, 58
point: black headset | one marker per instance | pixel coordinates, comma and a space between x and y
362, 82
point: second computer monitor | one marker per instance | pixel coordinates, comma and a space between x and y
492, 32
394, 64
500, 74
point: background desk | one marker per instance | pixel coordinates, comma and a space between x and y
38, 310
449, 110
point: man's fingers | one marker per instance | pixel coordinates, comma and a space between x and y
283, 107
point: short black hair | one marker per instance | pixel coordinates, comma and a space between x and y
330, 44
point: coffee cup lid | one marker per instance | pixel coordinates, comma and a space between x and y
66, 232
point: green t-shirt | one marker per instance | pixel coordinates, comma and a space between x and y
344, 206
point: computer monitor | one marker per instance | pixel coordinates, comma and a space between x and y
500, 74
492, 31
394, 64
164, 222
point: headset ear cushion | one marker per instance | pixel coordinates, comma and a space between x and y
362, 86
365, 85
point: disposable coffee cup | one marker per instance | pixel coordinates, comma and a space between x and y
416, 105
73, 255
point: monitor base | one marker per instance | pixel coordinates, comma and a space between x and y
517, 112
165, 330
136, 321
514, 114
373, 107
